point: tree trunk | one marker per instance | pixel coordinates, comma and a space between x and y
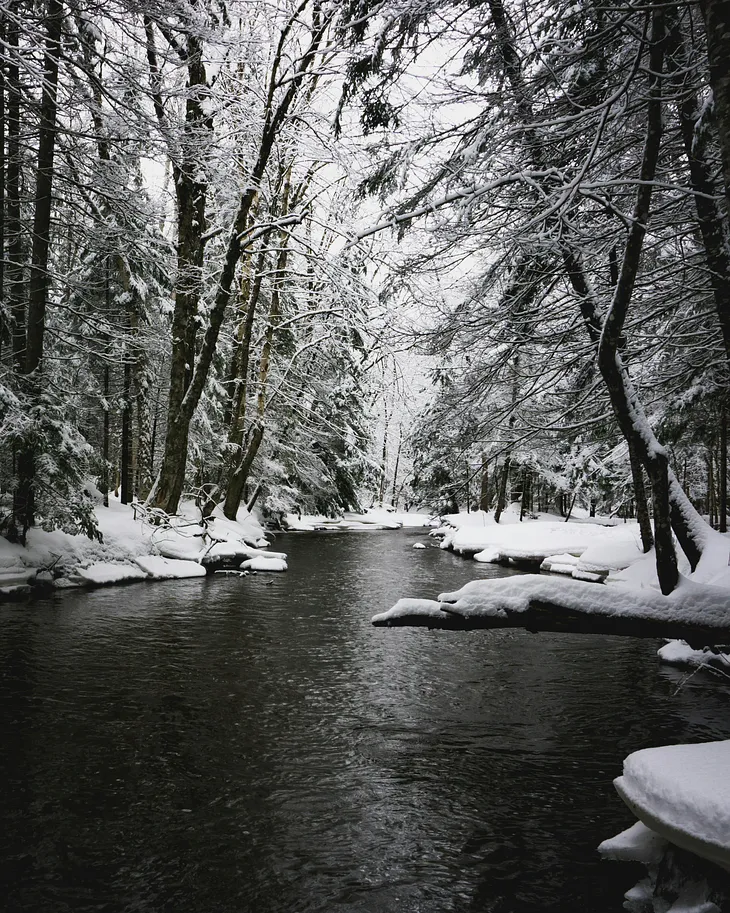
169, 484
39, 276
716, 14
105, 441
239, 477
4, 334
14, 271
501, 497
393, 499
642, 507
710, 220
484, 486
384, 459
126, 461
723, 471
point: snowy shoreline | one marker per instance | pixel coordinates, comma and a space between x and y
135, 548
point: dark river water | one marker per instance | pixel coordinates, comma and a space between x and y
255, 745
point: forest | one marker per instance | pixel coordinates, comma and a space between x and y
230, 230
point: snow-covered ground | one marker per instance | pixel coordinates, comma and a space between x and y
375, 518
583, 548
134, 547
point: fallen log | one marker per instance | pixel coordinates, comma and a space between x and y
701, 616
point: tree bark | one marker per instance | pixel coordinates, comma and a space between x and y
642, 507
502, 496
716, 14
105, 440
239, 478
39, 277
723, 470
484, 486
126, 457
694, 136
14, 271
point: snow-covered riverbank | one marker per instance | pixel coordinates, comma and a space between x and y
134, 547
138, 545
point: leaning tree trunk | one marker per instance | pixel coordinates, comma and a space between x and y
628, 413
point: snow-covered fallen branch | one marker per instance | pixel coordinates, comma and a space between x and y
697, 613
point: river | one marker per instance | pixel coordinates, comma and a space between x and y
254, 744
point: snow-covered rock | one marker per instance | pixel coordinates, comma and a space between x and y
127, 536
264, 564
679, 653
103, 573
159, 568
560, 564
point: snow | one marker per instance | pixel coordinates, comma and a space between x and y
132, 548
264, 564
559, 564
376, 518
682, 792
637, 843
106, 572
419, 545
579, 545
679, 653
498, 598
160, 568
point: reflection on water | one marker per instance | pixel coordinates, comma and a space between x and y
255, 745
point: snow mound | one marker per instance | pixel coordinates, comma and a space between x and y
375, 518
419, 545
422, 607
535, 541
551, 562
620, 549
103, 573
679, 653
264, 564
159, 568
486, 556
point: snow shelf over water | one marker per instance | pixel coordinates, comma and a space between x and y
682, 793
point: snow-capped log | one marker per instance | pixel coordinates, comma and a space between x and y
694, 612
